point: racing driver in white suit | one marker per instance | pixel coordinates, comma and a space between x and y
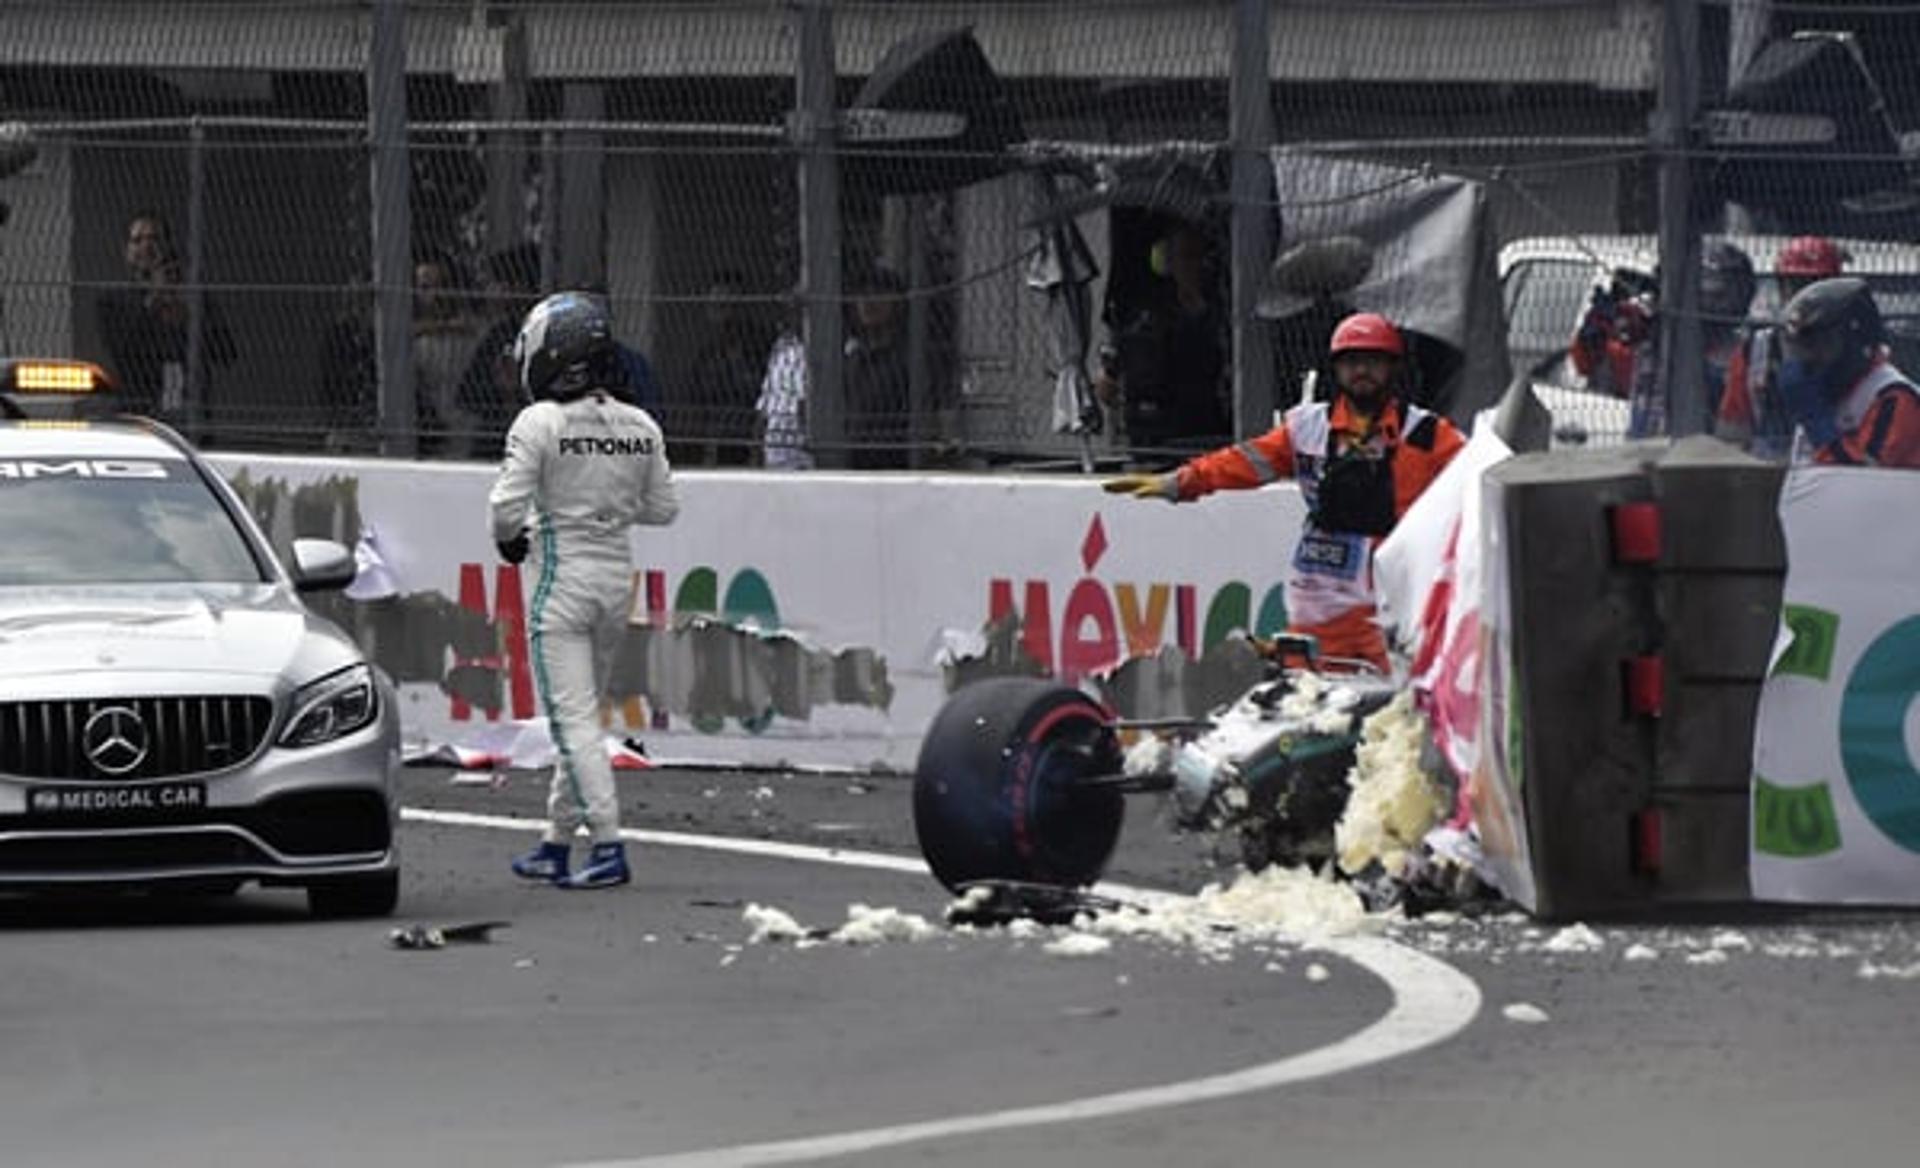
582, 466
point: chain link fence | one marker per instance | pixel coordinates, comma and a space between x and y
963, 234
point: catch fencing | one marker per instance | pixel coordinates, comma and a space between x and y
1038, 234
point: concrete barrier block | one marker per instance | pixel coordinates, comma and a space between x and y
1719, 624
1719, 508
1705, 739
1703, 847
1577, 616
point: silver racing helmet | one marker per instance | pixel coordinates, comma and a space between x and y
565, 347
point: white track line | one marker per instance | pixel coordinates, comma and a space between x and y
1432, 1001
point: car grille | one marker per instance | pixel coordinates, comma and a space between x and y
170, 736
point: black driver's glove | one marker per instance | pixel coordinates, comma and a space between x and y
513, 550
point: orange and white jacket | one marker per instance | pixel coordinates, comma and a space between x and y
1330, 581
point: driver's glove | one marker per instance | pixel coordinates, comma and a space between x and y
513, 550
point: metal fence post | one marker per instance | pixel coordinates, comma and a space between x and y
506, 149
1682, 361
1250, 118
392, 229
815, 130
923, 424
193, 406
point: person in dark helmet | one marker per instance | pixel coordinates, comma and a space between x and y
1751, 413
1617, 344
1850, 404
1360, 459
582, 466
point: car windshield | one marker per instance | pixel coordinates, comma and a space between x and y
86, 521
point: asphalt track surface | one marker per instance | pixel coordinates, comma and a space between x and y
638, 1026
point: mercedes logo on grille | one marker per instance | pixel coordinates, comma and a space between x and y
115, 740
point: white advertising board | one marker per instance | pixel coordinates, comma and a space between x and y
1836, 795
906, 566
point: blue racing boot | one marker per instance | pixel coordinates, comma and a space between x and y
606, 866
546, 863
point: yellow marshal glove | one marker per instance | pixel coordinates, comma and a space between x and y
1145, 486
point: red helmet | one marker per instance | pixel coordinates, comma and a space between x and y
1810, 256
1367, 332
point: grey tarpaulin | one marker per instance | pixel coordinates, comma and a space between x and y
1178, 178
1434, 269
1061, 268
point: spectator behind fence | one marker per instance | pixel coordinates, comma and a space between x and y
1752, 413
1616, 346
145, 326
1851, 405
783, 403
876, 374
1165, 364
490, 387
445, 336
726, 375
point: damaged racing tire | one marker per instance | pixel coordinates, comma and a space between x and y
999, 791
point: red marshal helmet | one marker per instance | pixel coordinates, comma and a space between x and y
1367, 332
1810, 257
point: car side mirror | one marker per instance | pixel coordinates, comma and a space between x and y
321, 565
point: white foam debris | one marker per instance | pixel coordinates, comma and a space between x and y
1275, 904
1575, 939
770, 924
1326, 708
1394, 802
1525, 1012
1317, 972
1873, 969
1025, 929
867, 925
1639, 952
1151, 754
1708, 957
971, 901
762, 794
1077, 945
1730, 939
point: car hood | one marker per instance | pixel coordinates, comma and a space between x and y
235, 630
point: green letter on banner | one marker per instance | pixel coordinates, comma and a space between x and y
1810, 653
1793, 821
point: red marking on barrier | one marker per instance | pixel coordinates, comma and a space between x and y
1648, 846
509, 615
1636, 532
661, 620
1646, 685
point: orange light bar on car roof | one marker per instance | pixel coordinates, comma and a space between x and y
57, 377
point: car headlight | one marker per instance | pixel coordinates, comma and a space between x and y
336, 705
